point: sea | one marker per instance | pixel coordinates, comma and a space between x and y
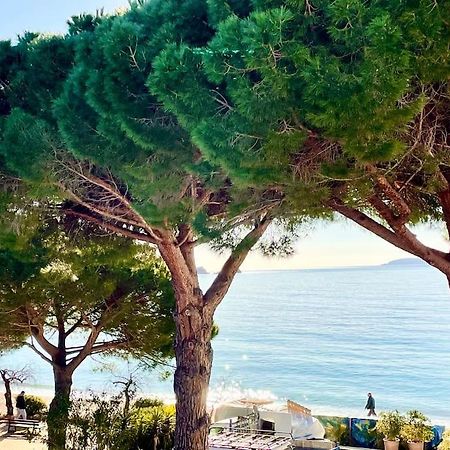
323, 338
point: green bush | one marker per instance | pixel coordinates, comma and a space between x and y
390, 425
36, 407
152, 424
99, 422
416, 427
337, 432
147, 403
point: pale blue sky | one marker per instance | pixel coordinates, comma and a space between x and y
17, 16
324, 245
337, 244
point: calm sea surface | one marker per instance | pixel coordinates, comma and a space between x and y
321, 337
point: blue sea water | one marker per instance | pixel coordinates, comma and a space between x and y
323, 338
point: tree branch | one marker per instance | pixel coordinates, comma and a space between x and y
111, 227
74, 326
33, 347
402, 238
385, 186
221, 284
85, 351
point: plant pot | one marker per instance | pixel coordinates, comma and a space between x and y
391, 445
415, 445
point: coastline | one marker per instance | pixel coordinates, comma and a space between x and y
46, 395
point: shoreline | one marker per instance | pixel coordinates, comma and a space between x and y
46, 394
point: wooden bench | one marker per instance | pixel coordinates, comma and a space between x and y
26, 424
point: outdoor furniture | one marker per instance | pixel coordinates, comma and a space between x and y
250, 441
26, 424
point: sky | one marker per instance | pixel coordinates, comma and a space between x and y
17, 16
338, 244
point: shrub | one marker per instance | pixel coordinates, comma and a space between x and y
416, 427
390, 425
36, 407
337, 432
147, 403
152, 424
99, 422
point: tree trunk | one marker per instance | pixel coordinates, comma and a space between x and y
8, 398
193, 352
194, 355
194, 321
58, 412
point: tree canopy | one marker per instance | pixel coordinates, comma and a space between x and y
114, 290
70, 293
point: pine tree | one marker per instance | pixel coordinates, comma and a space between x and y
121, 160
345, 102
70, 293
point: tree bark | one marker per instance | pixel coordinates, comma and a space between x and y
194, 356
193, 352
58, 413
8, 398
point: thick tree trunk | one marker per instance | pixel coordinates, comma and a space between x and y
193, 351
194, 321
58, 413
194, 359
8, 398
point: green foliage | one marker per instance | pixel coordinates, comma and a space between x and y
99, 422
36, 407
156, 422
416, 427
390, 424
147, 403
251, 91
66, 276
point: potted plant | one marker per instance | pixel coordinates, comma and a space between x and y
416, 430
390, 425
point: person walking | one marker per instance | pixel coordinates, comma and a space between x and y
370, 405
21, 406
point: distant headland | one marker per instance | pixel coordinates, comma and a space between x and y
405, 262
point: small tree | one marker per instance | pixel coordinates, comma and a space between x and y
416, 427
77, 297
9, 377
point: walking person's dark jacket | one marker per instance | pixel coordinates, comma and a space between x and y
20, 402
370, 403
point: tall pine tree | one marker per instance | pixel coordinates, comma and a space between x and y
122, 161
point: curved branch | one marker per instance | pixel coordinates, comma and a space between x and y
111, 227
33, 347
221, 284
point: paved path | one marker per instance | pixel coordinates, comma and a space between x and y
16, 441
